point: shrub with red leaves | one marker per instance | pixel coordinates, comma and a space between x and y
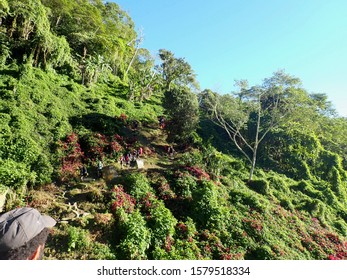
165, 192
71, 156
123, 117
168, 243
122, 200
182, 227
197, 172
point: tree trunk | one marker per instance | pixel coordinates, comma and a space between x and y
58, 21
254, 160
256, 143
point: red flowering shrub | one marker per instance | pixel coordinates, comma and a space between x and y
118, 139
71, 156
212, 247
198, 172
182, 227
321, 243
97, 144
168, 243
256, 225
148, 202
122, 200
115, 147
164, 190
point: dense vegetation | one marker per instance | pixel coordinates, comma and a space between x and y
258, 174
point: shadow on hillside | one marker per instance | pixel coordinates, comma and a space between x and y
10, 72
96, 122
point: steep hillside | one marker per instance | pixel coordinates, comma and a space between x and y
260, 174
196, 205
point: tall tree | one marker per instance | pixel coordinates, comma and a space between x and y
176, 71
29, 36
180, 101
182, 107
143, 79
249, 115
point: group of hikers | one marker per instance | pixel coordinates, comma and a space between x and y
84, 172
129, 158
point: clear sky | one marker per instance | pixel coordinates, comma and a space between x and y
224, 40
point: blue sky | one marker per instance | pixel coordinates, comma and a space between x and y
224, 40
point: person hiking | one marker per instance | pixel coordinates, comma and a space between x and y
122, 161
128, 158
170, 151
135, 154
161, 121
83, 172
23, 234
140, 152
100, 166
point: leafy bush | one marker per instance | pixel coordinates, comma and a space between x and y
307, 188
122, 200
77, 238
260, 186
328, 160
15, 175
191, 158
208, 209
164, 189
262, 252
341, 227
338, 185
161, 222
184, 184
137, 185
247, 198
135, 237
182, 107
287, 204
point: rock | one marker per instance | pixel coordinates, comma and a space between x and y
3, 193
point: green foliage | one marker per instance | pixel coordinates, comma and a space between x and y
15, 175
216, 163
260, 186
338, 185
181, 106
247, 198
341, 227
78, 239
176, 71
185, 184
208, 209
307, 188
162, 223
292, 152
194, 158
327, 162
262, 252
136, 237
137, 185
249, 115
